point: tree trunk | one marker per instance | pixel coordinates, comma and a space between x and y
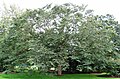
59, 70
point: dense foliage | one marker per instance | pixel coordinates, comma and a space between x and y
66, 35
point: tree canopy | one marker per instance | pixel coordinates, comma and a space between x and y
66, 35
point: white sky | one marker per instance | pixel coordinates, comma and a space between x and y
99, 6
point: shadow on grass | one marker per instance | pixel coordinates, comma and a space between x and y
41, 76
29, 76
21, 76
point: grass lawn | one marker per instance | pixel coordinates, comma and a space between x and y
37, 76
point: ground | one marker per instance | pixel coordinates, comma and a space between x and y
38, 76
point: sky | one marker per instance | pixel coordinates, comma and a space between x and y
100, 7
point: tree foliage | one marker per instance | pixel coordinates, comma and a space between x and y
60, 35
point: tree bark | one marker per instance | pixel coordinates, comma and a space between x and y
59, 70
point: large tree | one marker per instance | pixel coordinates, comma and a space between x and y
65, 35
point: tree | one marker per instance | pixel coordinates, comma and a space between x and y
73, 35
58, 36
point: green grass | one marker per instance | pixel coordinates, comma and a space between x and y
38, 76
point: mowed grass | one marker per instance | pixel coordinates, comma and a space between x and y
38, 76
